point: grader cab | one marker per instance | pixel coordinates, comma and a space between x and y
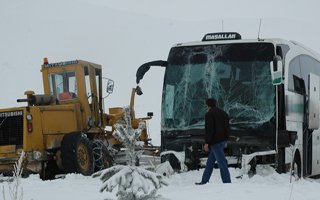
64, 129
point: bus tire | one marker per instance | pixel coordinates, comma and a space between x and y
173, 160
296, 167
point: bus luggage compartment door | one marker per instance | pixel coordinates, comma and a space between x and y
313, 103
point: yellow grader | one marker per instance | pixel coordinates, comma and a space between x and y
64, 129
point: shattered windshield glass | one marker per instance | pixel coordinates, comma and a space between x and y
236, 75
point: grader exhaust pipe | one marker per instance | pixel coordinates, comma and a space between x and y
38, 100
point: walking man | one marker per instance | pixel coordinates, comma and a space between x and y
216, 134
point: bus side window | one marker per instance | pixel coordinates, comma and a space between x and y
279, 51
299, 85
294, 75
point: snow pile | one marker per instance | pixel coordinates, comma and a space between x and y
165, 169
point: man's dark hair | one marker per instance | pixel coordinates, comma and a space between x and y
211, 102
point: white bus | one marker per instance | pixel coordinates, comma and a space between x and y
269, 88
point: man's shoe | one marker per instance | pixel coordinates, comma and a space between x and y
199, 183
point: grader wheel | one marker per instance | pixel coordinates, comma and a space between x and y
76, 154
101, 155
83, 157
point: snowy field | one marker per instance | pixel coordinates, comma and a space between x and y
266, 185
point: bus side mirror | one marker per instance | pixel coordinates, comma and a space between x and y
110, 86
276, 68
138, 90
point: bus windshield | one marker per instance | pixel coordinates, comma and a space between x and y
236, 75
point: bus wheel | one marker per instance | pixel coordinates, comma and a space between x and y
173, 160
296, 167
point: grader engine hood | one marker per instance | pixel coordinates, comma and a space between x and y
11, 128
11, 138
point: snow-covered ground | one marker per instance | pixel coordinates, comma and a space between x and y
266, 185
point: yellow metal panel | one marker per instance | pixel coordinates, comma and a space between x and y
79, 114
8, 149
33, 140
53, 141
59, 119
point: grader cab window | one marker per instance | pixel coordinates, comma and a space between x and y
88, 84
98, 81
63, 85
95, 89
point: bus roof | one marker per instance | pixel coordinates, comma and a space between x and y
199, 43
275, 41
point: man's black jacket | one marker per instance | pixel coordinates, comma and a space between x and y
216, 126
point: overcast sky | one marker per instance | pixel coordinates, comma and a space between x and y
199, 10
123, 34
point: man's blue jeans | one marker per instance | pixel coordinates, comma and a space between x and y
216, 154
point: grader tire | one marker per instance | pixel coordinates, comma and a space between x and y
49, 170
76, 154
101, 156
